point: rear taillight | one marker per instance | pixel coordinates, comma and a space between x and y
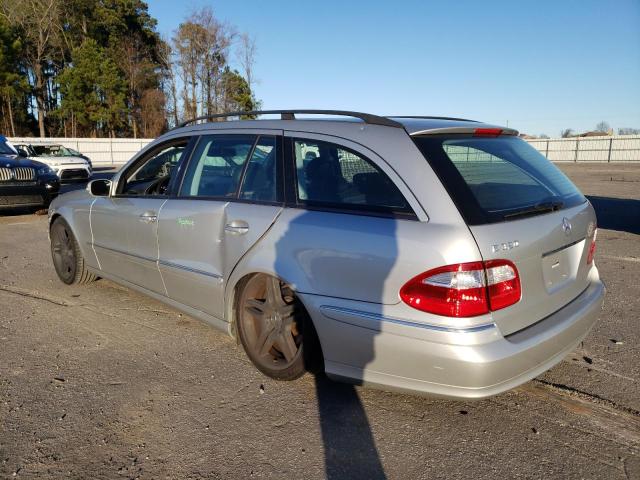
464, 289
592, 248
503, 283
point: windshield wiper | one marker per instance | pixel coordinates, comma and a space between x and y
538, 208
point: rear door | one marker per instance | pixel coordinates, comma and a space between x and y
230, 195
519, 207
351, 230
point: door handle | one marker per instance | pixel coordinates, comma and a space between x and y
237, 227
148, 217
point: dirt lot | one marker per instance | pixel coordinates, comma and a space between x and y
101, 382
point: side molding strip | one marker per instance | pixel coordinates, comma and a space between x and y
122, 252
188, 269
328, 310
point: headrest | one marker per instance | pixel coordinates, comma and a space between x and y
220, 150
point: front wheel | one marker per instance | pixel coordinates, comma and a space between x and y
67, 257
272, 325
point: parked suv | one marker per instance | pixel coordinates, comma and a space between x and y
433, 255
66, 162
24, 182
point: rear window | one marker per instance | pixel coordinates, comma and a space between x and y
497, 179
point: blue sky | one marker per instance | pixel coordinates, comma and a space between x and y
539, 65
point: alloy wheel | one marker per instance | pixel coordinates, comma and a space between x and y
63, 252
271, 334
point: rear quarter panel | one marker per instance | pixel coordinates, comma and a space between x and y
364, 260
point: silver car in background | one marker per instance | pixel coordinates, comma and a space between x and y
432, 255
67, 163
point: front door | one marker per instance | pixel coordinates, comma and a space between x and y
228, 199
125, 231
125, 225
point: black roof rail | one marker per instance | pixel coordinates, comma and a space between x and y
291, 115
432, 118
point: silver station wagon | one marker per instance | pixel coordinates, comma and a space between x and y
433, 255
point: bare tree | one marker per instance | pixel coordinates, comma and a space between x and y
603, 127
152, 107
39, 22
566, 133
171, 94
247, 57
134, 60
201, 47
216, 39
188, 53
628, 131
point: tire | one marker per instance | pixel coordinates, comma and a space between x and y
67, 257
275, 329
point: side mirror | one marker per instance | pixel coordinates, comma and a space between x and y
99, 188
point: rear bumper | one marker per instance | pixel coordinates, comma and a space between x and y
474, 363
35, 194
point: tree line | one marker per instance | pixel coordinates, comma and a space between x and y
100, 68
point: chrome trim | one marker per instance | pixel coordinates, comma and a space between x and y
559, 249
19, 174
165, 263
429, 326
121, 252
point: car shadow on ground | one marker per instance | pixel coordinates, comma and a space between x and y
622, 214
349, 447
335, 263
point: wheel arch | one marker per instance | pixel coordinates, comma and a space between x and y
53, 218
314, 352
236, 283
80, 227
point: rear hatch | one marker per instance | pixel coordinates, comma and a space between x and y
522, 208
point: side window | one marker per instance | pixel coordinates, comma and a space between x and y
216, 166
330, 174
152, 176
259, 181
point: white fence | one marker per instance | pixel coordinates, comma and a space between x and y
617, 148
103, 152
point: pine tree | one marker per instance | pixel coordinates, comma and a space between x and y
93, 91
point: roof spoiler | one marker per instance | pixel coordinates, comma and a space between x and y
477, 131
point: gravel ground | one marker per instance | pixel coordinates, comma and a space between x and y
101, 382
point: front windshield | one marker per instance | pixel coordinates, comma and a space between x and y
47, 150
5, 149
70, 152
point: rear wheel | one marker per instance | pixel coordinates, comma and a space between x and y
272, 326
67, 258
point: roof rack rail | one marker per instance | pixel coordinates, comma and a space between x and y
290, 115
432, 118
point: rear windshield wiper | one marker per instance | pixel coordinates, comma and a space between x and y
538, 208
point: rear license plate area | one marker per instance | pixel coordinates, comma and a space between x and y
560, 267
